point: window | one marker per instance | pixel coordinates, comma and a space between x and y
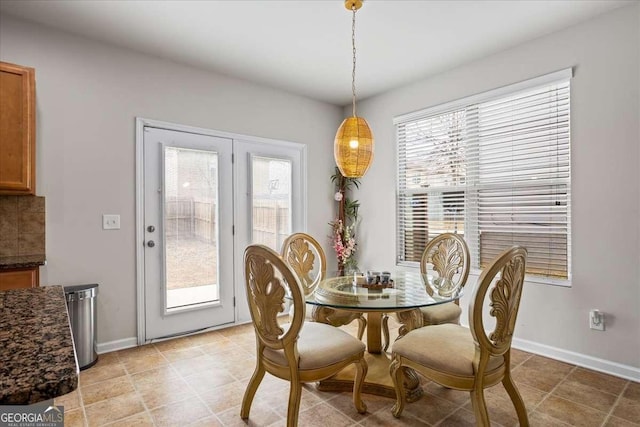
494, 167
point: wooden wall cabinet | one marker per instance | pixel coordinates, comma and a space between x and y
17, 130
19, 278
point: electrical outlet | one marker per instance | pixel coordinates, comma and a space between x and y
596, 320
111, 222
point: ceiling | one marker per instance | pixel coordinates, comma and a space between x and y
304, 46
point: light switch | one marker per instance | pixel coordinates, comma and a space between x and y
111, 222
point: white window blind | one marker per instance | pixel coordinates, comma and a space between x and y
495, 168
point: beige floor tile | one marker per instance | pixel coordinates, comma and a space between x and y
385, 418
602, 382
430, 409
221, 398
142, 419
207, 338
632, 391
108, 359
174, 344
462, 418
530, 395
518, 357
260, 415
204, 382
242, 368
585, 395
154, 376
279, 401
106, 389
115, 409
137, 352
344, 403
627, 409
211, 421
70, 401
237, 330
207, 374
194, 366
499, 406
170, 391
222, 346
74, 418
182, 353
538, 419
541, 373
456, 396
100, 372
180, 413
322, 415
619, 422
570, 412
144, 363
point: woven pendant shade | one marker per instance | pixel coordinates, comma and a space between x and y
353, 147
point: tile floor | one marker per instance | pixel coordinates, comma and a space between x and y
200, 380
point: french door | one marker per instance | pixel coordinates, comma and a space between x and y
188, 220
205, 196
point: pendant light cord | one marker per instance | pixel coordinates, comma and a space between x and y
353, 72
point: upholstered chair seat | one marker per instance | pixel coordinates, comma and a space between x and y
451, 349
448, 312
319, 345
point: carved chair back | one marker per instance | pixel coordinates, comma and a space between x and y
267, 280
448, 256
504, 301
306, 258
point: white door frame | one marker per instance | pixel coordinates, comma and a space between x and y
140, 236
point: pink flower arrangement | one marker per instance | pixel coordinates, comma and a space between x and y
344, 243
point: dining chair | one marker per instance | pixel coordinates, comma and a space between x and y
306, 258
298, 351
473, 360
447, 256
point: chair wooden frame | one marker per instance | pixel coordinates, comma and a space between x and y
298, 252
505, 300
265, 272
449, 255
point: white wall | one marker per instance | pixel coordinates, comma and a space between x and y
605, 178
88, 95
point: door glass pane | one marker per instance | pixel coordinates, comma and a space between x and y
271, 201
190, 227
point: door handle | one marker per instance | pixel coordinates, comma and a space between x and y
151, 243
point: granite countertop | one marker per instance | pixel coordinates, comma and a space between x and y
22, 261
37, 360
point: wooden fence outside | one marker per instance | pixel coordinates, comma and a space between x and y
197, 219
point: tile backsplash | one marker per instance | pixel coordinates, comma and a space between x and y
22, 227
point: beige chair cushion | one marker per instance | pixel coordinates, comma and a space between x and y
448, 312
445, 348
319, 345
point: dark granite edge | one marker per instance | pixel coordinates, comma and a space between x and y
36, 346
23, 261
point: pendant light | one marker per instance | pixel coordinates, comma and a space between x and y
353, 146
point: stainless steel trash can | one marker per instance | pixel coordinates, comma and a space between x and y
81, 305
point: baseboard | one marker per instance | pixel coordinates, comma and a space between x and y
107, 347
594, 363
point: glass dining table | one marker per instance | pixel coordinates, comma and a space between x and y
404, 294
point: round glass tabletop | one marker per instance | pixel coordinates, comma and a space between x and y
405, 290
